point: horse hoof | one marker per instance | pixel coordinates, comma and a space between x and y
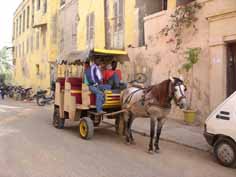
150, 152
157, 151
127, 143
133, 143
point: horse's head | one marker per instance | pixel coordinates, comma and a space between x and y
178, 92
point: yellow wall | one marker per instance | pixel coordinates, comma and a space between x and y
97, 6
85, 7
47, 52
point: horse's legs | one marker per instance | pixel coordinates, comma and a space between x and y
130, 122
152, 132
158, 133
127, 120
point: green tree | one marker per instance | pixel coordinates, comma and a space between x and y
5, 64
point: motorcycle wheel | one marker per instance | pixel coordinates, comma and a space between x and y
41, 101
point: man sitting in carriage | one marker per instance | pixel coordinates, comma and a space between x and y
112, 76
95, 81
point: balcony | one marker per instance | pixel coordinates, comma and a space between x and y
40, 19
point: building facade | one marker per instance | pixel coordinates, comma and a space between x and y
35, 42
214, 75
47, 30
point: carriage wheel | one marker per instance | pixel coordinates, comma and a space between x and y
57, 121
86, 128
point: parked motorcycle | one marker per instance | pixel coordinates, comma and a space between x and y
42, 99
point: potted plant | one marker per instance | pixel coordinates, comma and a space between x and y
192, 57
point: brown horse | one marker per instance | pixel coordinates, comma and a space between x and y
153, 102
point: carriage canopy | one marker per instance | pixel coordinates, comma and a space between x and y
79, 57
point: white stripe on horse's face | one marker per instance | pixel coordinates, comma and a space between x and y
180, 96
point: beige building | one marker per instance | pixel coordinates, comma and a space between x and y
35, 42
214, 74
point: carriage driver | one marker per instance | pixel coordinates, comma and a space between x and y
96, 86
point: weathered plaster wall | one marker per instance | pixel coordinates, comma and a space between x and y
158, 62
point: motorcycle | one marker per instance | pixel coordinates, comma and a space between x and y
42, 99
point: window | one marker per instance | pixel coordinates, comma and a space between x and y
38, 4
15, 51
118, 15
32, 43
90, 28
141, 14
20, 24
37, 40
37, 69
27, 45
19, 50
33, 5
182, 2
45, 6
24, 21
62, 2
28, 16
44, 33
16, 28
23, 49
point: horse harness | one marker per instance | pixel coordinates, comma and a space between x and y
144, 97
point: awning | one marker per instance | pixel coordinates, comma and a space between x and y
82, 56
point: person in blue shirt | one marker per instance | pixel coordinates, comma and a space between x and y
96, 86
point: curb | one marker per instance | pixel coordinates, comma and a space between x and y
163, 139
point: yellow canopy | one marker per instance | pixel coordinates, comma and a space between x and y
84, 55
110, 52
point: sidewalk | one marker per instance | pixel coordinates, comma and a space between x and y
174, 131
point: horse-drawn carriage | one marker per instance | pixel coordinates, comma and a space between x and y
74, 100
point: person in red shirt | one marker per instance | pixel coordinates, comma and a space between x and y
113, 76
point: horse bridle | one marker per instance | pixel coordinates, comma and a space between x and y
177, 101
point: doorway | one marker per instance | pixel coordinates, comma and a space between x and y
231, 68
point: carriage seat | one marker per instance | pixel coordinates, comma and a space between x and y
76, 87
111, 96
61, 81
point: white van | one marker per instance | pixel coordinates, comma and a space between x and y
220, 131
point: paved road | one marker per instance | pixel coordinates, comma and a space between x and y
31, 147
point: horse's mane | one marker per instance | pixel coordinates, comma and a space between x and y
161, 92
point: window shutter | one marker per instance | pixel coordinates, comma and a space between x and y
121, 15
115, 16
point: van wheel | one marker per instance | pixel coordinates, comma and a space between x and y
86, 128
225, 152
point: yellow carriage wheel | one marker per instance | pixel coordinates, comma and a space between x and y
86, 128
